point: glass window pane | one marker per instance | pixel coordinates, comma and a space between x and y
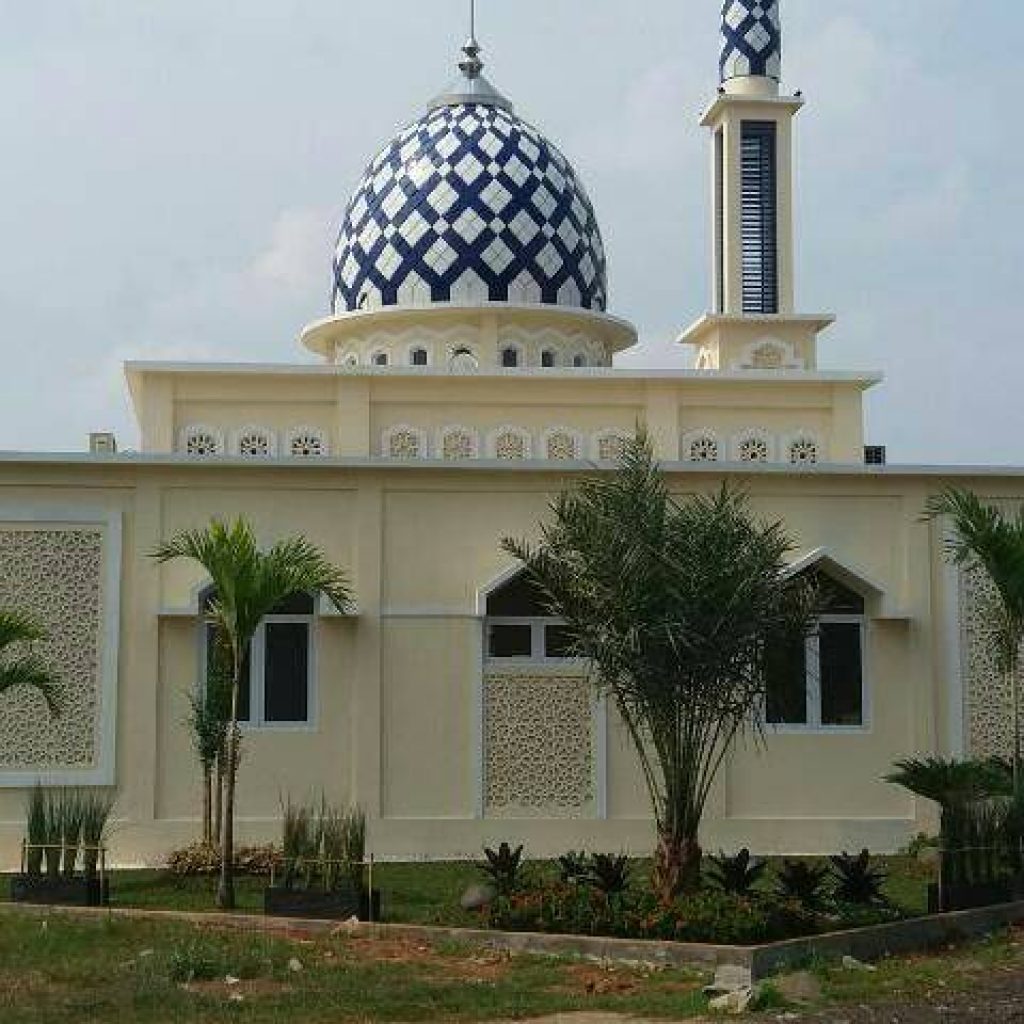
557, 642
286, 672
517, 599
841, 674
786, 672
506, 641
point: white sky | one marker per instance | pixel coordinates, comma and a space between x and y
172, 175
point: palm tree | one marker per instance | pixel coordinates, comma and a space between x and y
984, 538
26, 669
675, 604
248, 584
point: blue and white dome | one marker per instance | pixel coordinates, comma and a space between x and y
466, 206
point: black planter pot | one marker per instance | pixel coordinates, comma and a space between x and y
69, 892
338, 904
968, 897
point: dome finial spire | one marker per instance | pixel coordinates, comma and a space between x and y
472, 66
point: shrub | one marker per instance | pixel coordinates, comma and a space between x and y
204, 859
609, 873
802, 882
36, 830
737, 875
574, 867
502, 867
857, 881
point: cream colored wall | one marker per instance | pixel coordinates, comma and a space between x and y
399, 687
364, 404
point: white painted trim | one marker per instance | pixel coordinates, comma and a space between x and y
191, 430
294, 433
492, 585
577, 440
493, 436
756, 434
104, 772
608, 432
388, 433
256, 430
704, 434
842, 570
451, 428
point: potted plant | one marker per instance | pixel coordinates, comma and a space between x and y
64, 829
323, 857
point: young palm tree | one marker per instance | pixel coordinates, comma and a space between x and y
26, 669
675, 604
249, 583
984, 538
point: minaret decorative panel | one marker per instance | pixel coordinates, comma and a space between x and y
751, 40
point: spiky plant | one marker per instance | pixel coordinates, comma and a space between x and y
736, 875
35, 830
54, 834
332, 846
71, 812
857, 880
574, 867
96, 808
248, 584
502, 867
802, 881
609, 873
354, 845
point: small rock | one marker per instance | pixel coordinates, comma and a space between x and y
232, 980
852, 964
236, 997
801, 987
294, 965
145, 953
734, 1002
477, 897
350, 927
729, 978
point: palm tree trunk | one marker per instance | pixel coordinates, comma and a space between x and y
218, 797
226, 887
677, 863
207, 803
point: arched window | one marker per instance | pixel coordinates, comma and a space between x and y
803, 451
701, 446
463, 360
579, 360
818, 682
201, 441
510, 357
254, 442
404, 443
418, 357
520, 628
547, 358
277, 685
380, 359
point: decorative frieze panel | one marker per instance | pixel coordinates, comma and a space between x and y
539, 751
63, 576
988, 696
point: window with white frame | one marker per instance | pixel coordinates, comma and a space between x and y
276, 689
819, 681
520, 628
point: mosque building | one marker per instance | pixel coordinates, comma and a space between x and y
463, 377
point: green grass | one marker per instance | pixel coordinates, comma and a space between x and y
417, 893
57, 970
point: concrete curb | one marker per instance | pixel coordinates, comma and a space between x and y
866, 944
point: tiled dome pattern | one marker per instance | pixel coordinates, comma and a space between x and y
751, 39
472, 205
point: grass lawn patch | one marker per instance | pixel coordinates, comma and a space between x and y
59, 969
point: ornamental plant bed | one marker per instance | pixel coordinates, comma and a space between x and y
72, 892
340, 903
969, 896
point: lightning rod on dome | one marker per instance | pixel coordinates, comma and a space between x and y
472, 66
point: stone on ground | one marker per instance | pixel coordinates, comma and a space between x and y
729, 978
801, 987
736, 1002
477, 897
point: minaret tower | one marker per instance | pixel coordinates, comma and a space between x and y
753, 324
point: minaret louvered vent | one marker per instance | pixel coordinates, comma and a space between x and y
759, 217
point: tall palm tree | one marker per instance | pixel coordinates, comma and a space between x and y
985, 538
248, 584
26, 669
675, 603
